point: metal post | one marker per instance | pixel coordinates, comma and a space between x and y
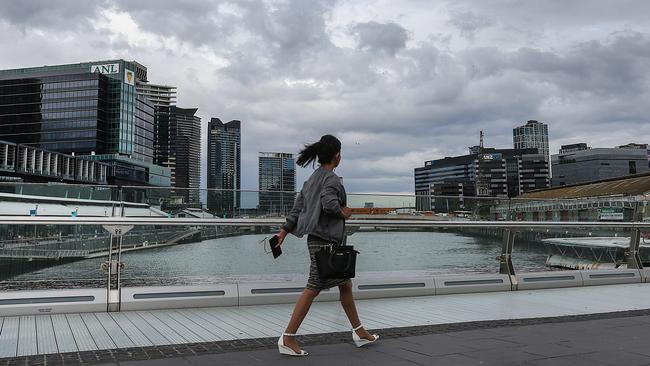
108, 268
114, 267
632, 257
505, 259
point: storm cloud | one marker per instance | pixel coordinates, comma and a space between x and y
380, 37
398, 82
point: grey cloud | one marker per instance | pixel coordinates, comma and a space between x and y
554, 13
191, 21
54, 15
469, 23
286, 30
441, 100
404, 102
615, 68
292, 29
387, 38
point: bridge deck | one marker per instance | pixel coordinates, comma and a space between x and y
43, 334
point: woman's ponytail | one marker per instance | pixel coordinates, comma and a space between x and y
308, 155
324, 150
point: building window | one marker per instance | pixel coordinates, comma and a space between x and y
632, 165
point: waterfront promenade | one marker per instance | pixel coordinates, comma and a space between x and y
586, 325
575, 342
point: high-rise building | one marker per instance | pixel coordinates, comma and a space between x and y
533, 134
578, 163
224, 166
507, 173
159, 95
178, 141
89, 108
162, 97
277, 182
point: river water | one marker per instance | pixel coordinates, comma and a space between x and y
243, 257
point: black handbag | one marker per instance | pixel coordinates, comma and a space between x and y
336, 261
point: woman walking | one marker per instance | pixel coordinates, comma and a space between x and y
320, 212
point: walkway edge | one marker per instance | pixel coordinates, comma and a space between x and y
240, 345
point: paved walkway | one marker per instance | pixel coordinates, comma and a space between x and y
611, 341
94, 338
65, 333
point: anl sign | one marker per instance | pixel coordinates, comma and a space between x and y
106, 69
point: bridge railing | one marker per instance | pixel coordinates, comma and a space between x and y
249, 203
115, 241
170, 262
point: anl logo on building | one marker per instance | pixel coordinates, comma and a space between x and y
106, 69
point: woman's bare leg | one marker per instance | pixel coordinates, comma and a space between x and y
299, 312
347, 301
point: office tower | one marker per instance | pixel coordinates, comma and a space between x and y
178, 141
578, 163
159, 95
277, 173
224, 167
533, 134
162, 97
508, 173
89, 108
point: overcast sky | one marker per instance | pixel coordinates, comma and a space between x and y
399, 82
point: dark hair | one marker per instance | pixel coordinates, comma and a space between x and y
324, 149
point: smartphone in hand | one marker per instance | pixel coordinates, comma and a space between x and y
273, 242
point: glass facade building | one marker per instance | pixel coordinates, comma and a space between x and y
224, 166
277, 182
90, 108
143, 146
63, 113
178, 147
505, 172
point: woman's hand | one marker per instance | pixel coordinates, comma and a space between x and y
281, 235
346, 211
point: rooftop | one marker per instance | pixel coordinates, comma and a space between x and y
633, 185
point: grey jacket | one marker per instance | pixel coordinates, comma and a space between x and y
317, 209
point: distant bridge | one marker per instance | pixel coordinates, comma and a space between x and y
98, 245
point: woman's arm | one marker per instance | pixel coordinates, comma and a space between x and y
330, 199
292, 218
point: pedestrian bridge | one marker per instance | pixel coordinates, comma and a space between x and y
113, 317
92, 331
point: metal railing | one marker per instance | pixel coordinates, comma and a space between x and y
122, 239
114, 220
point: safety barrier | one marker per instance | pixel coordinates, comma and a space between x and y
122, 298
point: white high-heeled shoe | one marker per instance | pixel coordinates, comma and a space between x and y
287, 350
360, 342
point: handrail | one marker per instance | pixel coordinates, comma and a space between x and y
361, 194
147, 221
